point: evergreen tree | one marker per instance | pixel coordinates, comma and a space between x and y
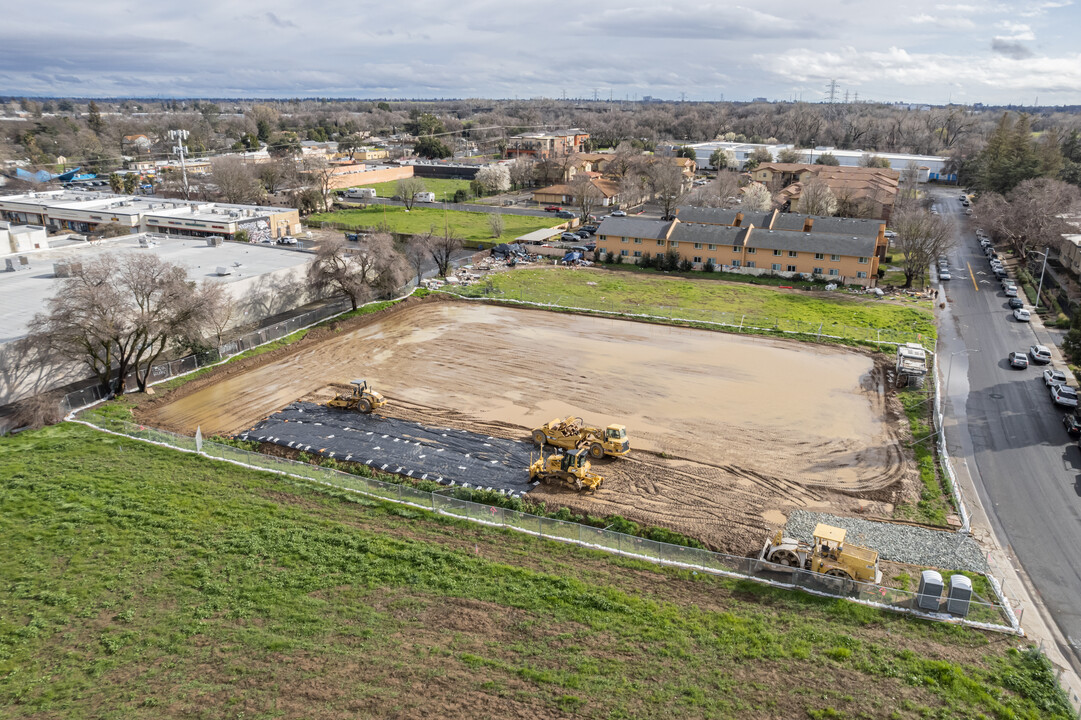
93, 117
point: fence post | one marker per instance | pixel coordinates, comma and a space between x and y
741, 323
819, 336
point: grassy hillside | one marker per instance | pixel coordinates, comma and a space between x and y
142, 583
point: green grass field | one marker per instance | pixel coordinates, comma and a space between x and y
854, 317
472, 227
138, 582
436, 185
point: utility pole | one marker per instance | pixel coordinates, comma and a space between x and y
180, 136
832, 87
856, 99
846, 97
683, 97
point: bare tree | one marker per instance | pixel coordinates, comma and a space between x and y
417, 253
214, 312
666, 181
117, 316
356, 273
272, 174
521, 173
623, 160
921, 237
757, 197
816, 198
235, 181
441, 248
496, 224
1030, 216
321, 175
408, 189
586, 194
24, 368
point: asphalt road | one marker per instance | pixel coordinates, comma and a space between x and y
1025, 467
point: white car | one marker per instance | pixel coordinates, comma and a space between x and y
1040, 354
1053, 377
287, 240
1022, 315
619, 213
1064, 395
944, 275
1010, 290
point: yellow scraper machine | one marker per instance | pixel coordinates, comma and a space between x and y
363, 398
572, 433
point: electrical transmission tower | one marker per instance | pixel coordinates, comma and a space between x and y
832, 87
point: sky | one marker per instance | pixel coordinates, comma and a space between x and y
1021, 52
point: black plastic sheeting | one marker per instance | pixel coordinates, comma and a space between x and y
444, 455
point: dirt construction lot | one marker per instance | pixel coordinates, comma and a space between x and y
731, 432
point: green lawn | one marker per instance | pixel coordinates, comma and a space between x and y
853, 317
138, 582
472, 227
436, 185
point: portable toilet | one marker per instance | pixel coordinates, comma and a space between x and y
960, 595
929, 596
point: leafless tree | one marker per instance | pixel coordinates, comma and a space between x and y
1030, 217
371, 268
274, 173
521, 173
586, 195
320, 174
441, 248
214, 312
408, 188
118, 316
816, 198
666, 182
24, 368
417, 253
921, 237
235, 181
496, 224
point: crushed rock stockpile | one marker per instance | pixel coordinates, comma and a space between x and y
443, 455
896, 542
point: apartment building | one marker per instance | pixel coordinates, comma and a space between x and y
796, 246
542, 145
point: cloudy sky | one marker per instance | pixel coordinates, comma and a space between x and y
1012, 51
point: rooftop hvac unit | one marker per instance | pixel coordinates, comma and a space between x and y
17, 263
214, 241
225, 270
67, 269
147, 242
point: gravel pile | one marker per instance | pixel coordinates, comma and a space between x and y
898, 543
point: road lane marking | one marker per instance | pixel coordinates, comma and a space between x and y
972, 276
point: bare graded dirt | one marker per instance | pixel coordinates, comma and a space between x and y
737, 430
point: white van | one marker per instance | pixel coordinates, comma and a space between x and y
425, 197
361, 193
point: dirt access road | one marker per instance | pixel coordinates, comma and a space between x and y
737, 429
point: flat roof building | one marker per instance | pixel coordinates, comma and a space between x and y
86, 211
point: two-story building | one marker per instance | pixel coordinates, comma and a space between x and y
543, 145
797, 246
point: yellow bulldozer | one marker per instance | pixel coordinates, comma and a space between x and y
569, 468
572, 433
829, 555
363, 399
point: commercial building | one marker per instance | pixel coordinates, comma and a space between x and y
86, 212
542, 145
785, 244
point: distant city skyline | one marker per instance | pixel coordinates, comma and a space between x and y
922, 53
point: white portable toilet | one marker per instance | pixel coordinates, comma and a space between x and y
929, 596
960, 595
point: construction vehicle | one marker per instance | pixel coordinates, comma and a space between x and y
364, 399
569, 468
572, 433
829, 555
911, 365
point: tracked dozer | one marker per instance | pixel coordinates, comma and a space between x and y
830, 555
572, 433
569, 468
363, 399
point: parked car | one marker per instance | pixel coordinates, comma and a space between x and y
564, 214
619, 213
1040, 354
552, 208
944, 275
591, 229
1022, 315
569, 237
582, 235
1064, 395
1053, 377
1073, 424
1018, 360
999, 271
1016, 302
1010, 290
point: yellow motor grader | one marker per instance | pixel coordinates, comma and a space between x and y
363, 399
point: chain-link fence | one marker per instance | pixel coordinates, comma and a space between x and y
255, 338
982, 612
740, 322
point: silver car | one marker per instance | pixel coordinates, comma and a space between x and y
1064, 395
